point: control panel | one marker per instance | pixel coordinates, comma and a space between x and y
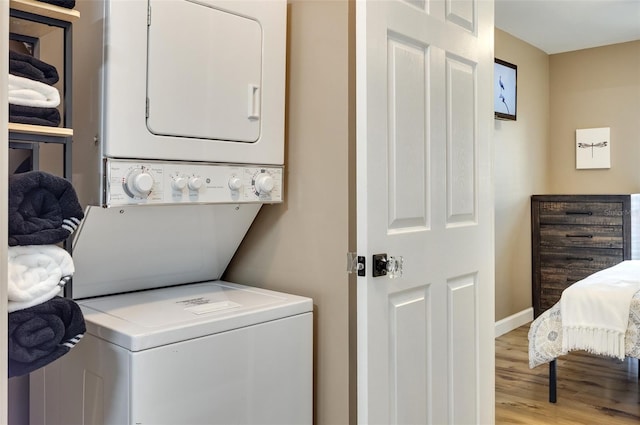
131, 182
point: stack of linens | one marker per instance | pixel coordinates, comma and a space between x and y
43, 211
32, 97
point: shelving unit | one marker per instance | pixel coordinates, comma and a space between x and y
29, 21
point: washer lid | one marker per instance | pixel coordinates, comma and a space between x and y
141, 320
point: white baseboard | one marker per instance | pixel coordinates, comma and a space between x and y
514, 321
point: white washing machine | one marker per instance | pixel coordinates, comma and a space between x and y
212, 352
184, 126
208, 353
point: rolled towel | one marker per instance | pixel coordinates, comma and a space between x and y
36, 274
43, 333
30, 67
43, 209
36, 116
26, 92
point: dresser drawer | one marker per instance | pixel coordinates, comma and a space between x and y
590, 213
554, 280
579, 258
583, 236
560, 269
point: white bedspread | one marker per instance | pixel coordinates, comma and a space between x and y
545, 334
595, 310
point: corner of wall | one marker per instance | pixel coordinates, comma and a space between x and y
520, 164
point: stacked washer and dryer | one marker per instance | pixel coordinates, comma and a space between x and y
189, 144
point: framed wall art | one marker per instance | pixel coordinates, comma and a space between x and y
593, 148
505, 99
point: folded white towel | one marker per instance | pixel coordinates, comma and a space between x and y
26, 92
595, 310
37, 273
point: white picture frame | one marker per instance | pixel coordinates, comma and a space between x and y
593, 148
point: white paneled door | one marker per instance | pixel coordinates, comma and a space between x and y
425, 193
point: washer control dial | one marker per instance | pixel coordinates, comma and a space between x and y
264, 184
138, 183
178, 183
195, 183
235, 183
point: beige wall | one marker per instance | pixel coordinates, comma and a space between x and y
520, 156
558, 94
300, 246
591, 88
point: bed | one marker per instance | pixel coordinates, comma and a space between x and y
546, 335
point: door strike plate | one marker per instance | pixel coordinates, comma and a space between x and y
356, 263
361, 266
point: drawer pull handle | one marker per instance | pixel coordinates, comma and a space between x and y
579, 213
579, 236
579, 258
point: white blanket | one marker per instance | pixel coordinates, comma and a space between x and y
37, 273
26, 92
595, 310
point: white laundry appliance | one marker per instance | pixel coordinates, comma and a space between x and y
188, 142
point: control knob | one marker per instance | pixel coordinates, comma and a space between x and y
264, 183
195, 183
235, 183
178, 183
139, 184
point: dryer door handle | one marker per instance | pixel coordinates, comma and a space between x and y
254, 102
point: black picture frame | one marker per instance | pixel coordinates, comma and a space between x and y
505, 83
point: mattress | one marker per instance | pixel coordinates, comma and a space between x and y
545, 334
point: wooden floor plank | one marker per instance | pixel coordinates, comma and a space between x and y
591, 389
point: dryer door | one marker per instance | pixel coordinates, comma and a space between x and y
204, 74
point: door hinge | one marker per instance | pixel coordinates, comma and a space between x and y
355, 264
149, 15
146, 109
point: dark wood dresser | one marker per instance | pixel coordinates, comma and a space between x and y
573, 236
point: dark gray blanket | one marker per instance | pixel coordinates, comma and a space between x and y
33, 68
43, 209
69, 4
43, 333
33, 115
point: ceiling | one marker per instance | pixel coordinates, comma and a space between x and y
556, 26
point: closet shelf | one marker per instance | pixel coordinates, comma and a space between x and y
45, 9
40, 130
37, 29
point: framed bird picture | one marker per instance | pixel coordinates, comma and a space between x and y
505, 76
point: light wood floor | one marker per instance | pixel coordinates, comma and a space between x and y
591, 389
